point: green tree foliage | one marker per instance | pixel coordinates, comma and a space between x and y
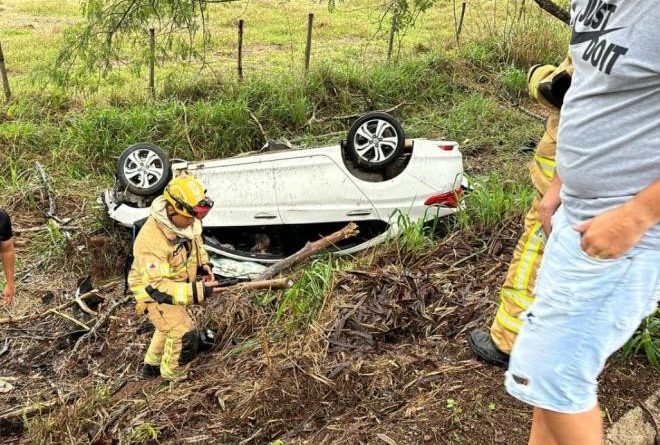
94, 46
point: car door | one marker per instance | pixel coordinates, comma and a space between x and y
314, 189
243, 191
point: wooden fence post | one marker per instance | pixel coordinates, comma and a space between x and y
460, 22
390, 44
240, 49
3, 73
308, 47
152, 62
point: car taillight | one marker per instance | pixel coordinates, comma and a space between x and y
446, 147
447, 199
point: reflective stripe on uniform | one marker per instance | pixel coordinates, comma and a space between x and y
151, 358
166, 371
510, 322
546, 165
533, 245
518, 297
181, 294
140, 294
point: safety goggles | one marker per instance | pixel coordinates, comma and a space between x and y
199, 210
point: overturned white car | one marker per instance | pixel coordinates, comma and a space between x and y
269, 203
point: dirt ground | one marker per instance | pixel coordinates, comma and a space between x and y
385, 361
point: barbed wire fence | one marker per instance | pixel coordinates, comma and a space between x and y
238, 51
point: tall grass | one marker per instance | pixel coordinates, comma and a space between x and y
514, 32
302, 301
494, 199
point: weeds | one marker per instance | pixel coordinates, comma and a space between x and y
494, 199
646, 339
414, 236
302, 301
143, 432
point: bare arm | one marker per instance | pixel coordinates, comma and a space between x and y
8, 262
616, 231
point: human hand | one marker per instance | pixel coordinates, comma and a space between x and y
547, 207
209, 288
9, 292
208, 277
611, 234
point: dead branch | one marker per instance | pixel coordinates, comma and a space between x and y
39, 408
45, 227
279, 283
317, 136
100, 322
52, 209
555, 10
315, 120
310, 249
654, 419
531, 113
83, 307
261, 129
84, 296
190, 144
71, 319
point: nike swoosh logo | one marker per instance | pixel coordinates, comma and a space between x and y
587, 36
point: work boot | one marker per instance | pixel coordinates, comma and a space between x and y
150, 371
484, 347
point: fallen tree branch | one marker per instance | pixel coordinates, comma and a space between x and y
71, 319
52, 209
279, 283
315, 120
261, 129
84, 296
83, 307
45, 227
39, 408
310, 249
317, 136
555, 10
654, 419
100, 322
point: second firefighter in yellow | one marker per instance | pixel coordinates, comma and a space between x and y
547, 85
170, 271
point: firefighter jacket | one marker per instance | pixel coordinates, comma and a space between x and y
547, 85
167, 261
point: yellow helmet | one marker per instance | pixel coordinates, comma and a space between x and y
188, 196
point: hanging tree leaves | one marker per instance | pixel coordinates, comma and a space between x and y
95, 46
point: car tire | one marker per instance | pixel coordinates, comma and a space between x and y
143, 169
375, 140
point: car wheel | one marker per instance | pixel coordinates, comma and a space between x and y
143, 169
375, 140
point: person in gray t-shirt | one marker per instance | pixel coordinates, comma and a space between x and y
601, 272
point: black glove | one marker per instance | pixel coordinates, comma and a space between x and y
555, 89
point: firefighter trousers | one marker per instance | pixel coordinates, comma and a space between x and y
175, 341
517, 294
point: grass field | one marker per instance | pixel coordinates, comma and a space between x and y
462, 92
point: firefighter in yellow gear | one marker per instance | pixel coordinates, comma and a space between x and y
547, 85
171, 270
